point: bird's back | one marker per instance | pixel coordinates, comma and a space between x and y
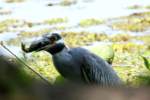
98, 70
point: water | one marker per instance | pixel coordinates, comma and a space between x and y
8, 35
37, 11
16, 50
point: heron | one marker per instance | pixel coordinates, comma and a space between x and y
75, 64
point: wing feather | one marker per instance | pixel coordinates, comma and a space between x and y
96, 70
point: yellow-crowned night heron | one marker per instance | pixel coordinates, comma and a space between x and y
76, 64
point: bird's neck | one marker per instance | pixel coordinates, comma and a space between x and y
57, 48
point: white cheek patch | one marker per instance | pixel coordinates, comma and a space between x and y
60, 41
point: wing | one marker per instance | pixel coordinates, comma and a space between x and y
97, 71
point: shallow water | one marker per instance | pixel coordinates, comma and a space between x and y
8, 35
37, 11
16, 50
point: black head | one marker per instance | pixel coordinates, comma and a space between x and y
49, 42
55, 36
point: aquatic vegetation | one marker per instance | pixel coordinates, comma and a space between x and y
139, 7
124, 26
74, 39
90, 22
10, 24
135, 22
127, 55
122, 37
143, 79
129, 26
129, 64
56, 21
42, 63
68, 2
5, 24
144, 38
15, 41
135, 7
132, 75
129, 47
35, 33
102, 50
41, 31
13, 1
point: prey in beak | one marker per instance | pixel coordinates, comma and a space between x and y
46, 42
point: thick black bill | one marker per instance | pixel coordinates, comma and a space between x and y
36, 45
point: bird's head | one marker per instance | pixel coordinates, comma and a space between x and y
48, 42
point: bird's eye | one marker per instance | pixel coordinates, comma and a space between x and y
53, 38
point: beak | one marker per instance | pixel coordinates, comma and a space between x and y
38, 45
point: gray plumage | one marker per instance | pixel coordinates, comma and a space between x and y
76, 64
79, 64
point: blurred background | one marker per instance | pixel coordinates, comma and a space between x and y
116, 30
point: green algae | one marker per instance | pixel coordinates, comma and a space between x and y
90, 22
138, 7
136, 22
56, 21
135, 7
104, 51
68, 2
14, 1
5, 24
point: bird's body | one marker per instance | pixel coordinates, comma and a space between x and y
80, 65
74, 63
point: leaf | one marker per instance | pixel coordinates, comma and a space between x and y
146, 62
